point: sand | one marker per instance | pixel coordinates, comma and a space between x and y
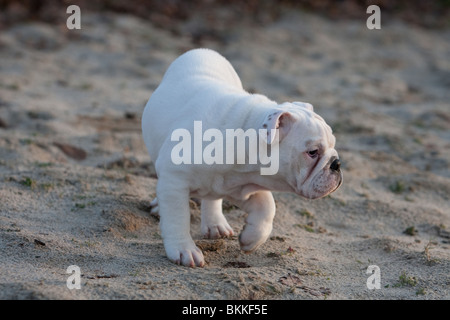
76, 180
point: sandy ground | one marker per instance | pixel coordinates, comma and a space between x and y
76, 180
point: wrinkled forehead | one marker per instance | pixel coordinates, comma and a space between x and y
318, 132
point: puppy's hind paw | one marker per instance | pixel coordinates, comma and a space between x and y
215, 226
186, 254
154, 207
217, 231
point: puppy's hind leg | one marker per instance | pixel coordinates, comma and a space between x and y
214, 225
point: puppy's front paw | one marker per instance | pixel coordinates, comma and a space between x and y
253, 236
185, 253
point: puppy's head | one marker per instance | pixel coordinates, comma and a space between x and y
308, 160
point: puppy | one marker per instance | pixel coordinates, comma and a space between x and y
201, 101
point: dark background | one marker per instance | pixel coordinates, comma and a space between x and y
433, 14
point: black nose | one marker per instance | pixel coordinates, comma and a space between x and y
336, 165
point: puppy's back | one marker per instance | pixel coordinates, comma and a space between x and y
202, 63
191, 84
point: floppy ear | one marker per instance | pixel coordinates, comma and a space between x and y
306, 105
277, 119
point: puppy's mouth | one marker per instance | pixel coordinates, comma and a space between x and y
320, 185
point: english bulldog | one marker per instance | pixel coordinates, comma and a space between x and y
201, 94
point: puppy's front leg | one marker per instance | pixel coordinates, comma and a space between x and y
261, 211
173, 202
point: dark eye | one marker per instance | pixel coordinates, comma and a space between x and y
313, 153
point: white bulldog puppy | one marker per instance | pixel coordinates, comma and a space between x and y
200, 101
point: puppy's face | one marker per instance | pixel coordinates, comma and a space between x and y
320, 172
311, 164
